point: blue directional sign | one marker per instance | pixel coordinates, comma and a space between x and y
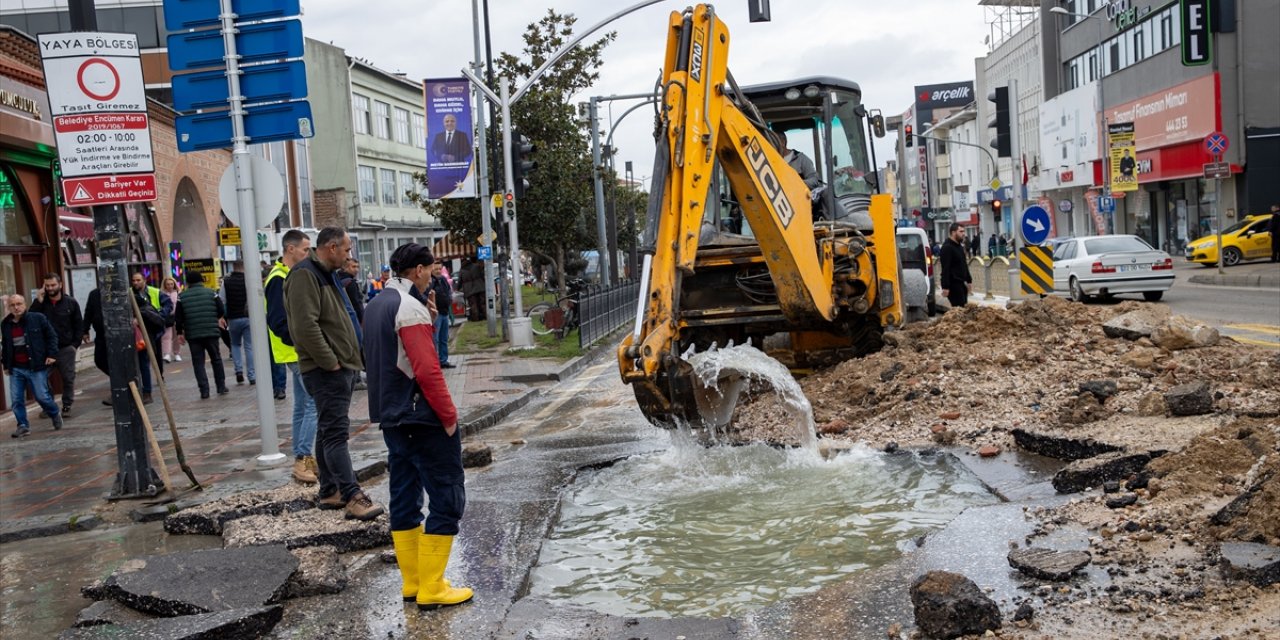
255, 43
262, 83
180, 15
484, 252
1035, 225
263, 123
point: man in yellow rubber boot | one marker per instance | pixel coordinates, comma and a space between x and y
408, 397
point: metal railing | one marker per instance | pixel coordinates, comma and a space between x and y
994, 276
603, 308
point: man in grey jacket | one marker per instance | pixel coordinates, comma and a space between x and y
325, 333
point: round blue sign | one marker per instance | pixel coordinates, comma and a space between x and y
1035, 225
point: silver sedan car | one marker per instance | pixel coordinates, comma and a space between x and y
1107, 265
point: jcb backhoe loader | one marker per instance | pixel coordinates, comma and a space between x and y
745, 260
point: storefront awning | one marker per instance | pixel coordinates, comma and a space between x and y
450, 247
75, 225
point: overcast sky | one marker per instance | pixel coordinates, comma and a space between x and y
886, 47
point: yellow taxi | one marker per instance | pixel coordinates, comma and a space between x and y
1248, 239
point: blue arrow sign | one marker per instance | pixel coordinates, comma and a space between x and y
263, 123
1035, 225
255, 43
262, 83
180, 15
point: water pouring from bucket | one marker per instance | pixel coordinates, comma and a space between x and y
724, 375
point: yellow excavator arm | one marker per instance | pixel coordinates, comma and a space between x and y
704, 129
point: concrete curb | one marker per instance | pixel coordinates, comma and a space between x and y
27, 528
1260, 280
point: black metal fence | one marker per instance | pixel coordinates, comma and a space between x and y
603, 308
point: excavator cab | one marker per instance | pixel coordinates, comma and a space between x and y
740, 247
822, 118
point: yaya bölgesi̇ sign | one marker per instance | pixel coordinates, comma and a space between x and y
98, 104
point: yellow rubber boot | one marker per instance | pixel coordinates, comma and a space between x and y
406, 546
433, 590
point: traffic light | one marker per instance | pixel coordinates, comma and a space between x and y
509, 206
907, 135
1002, 143
522, 163
996, 207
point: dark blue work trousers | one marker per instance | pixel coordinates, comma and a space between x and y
424, 460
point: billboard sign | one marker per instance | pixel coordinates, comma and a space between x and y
450, 153
1123, 154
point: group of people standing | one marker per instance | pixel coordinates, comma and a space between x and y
326, 338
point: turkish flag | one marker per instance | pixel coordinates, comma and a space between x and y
1024, 169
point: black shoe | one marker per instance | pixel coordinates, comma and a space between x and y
66, 411
223, 391
448, 365
239, 378
146, 398
106, 403
253, 383
280, 395
57, 422
20, 433
204, 395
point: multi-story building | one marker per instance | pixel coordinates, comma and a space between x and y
1133, 50
370, 141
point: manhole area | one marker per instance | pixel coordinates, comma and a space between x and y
722, 531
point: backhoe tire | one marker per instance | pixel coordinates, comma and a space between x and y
868, 336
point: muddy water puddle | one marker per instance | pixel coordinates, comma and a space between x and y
721, 531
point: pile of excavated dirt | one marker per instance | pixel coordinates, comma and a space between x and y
977, 373
1048, 367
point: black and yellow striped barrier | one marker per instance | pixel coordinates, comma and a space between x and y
1035, 266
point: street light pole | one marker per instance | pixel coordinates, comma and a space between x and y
482, 166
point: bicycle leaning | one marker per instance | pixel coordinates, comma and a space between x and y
560, 318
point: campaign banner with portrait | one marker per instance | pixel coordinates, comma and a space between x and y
1123, 152
450, 152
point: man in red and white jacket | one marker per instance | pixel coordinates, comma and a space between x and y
408, 397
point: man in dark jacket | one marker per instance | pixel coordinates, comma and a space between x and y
64, 314
200, 317
472, 282
235, 296
955, 270
30, 346
93, 320
326, 335
420, 427
444, 304
349, 278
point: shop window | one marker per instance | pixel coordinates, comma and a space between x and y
17, 219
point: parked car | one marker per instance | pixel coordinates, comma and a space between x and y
916, 259
1249, 239
1107, 265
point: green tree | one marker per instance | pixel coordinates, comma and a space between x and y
556, 215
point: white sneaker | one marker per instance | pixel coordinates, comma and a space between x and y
178, 358
168, 358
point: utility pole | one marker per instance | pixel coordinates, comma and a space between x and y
249, 240
135, 478
1015, 145
597, 169
482, 166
